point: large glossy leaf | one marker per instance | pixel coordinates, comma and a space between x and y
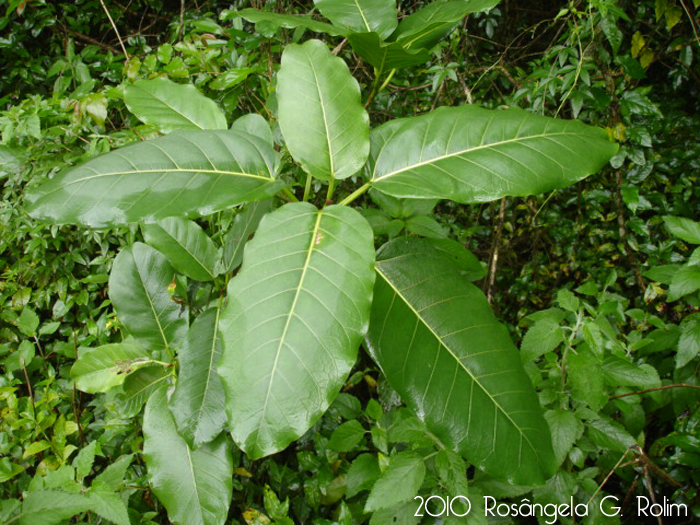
289, 21
99, 369
169, 106
244, 225
138, 288
439, 345
184, 173
385, 56
195, 486
320, 114
361, 16
187, 247
427, 26
296, 313
470, 154
197, 404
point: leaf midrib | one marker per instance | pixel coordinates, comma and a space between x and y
291, 314
465, 151
446, 347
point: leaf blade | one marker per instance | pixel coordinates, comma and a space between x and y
424, 309
320, 114
361, 15
147, 181
194, 485
311, 274
469, 154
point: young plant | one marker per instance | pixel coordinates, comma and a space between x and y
270, 358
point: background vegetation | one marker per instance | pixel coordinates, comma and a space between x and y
599, 283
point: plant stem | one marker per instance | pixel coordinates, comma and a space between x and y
289, 195
355, 194
331, 185
307, 188
665, 387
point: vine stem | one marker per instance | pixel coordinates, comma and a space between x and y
114, 26
307, 188
289, 195
665, 387
355, 194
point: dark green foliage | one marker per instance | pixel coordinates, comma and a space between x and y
598, 282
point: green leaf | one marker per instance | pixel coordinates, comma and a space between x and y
429, 25
469, 154
84, 460
609, 435
28, 322
685, 281
113, 475
566, 430
452, 472
244, 225
189, 250
99, 369
544, 336
8, 469
362, 474
385, 56
139, 387
35, 448
108, 504
585, 376
138, 288
184, 173
50, 507
621, 372
325, 127
197, 404
195, 486
399, 483
297, 311
567, 300
683, 228
689, 342
168, 106
254, 124
425, 226
346, 436
359, 16
289, 21
441, 348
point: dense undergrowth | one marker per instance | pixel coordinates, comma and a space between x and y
599, 283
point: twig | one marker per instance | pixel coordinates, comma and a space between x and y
466, 89
494, 253
437, 95
340, 46
181, 25
94, 42
114, 26
666, 387
608, 477
692, 21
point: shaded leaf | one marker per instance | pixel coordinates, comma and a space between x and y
188, 249
195, 486
427, 26
399, 483
689, 342
362, 474
361, 15
346, 436
325, 127
253, 124
296, 313
244, 225
289, 21
197, 404
684, 282
566, 429
168, 106
385, 56
138, 388
138, 288
441, 348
